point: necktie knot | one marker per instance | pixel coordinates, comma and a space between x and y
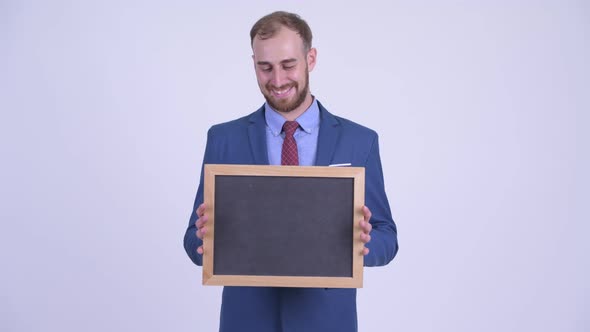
289, 127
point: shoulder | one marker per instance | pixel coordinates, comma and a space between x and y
357, 137
348, 127
355, 128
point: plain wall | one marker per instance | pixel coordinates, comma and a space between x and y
482, 110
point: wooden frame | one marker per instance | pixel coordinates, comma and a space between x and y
357, 174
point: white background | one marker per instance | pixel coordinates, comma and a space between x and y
482, 110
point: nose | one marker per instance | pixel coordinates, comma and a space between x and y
278, 78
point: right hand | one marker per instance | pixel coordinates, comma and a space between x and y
200, 224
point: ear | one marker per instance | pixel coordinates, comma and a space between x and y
312, 55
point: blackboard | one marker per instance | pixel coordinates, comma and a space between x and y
286, 226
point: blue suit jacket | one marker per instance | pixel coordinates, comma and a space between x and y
262, 309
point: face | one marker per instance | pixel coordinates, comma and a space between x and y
282, 70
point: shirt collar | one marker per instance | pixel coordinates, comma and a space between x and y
308, 121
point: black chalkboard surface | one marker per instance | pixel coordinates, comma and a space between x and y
283, 226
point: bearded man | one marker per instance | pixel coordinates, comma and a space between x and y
283, 57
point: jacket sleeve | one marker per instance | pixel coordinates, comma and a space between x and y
191, 241
383, 245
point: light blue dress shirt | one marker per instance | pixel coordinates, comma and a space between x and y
306, 135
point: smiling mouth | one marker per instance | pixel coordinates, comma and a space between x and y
282, 93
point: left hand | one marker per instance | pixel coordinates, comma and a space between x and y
366, 228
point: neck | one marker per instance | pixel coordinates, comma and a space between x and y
294, 114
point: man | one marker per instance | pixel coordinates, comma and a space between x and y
283, 57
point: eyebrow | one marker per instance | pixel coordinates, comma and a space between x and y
266, 63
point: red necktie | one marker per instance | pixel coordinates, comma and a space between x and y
289, 154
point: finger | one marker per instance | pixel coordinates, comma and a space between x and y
201, 221
201, 232
365, 251
366, 226
201, 210
367, 213
200, 250
365, 238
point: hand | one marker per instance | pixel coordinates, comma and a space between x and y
200, 224
366, 228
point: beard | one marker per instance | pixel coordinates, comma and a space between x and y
287, 105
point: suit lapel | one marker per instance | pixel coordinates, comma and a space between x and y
257, 136
327, 138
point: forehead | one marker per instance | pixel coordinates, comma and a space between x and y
285, 44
